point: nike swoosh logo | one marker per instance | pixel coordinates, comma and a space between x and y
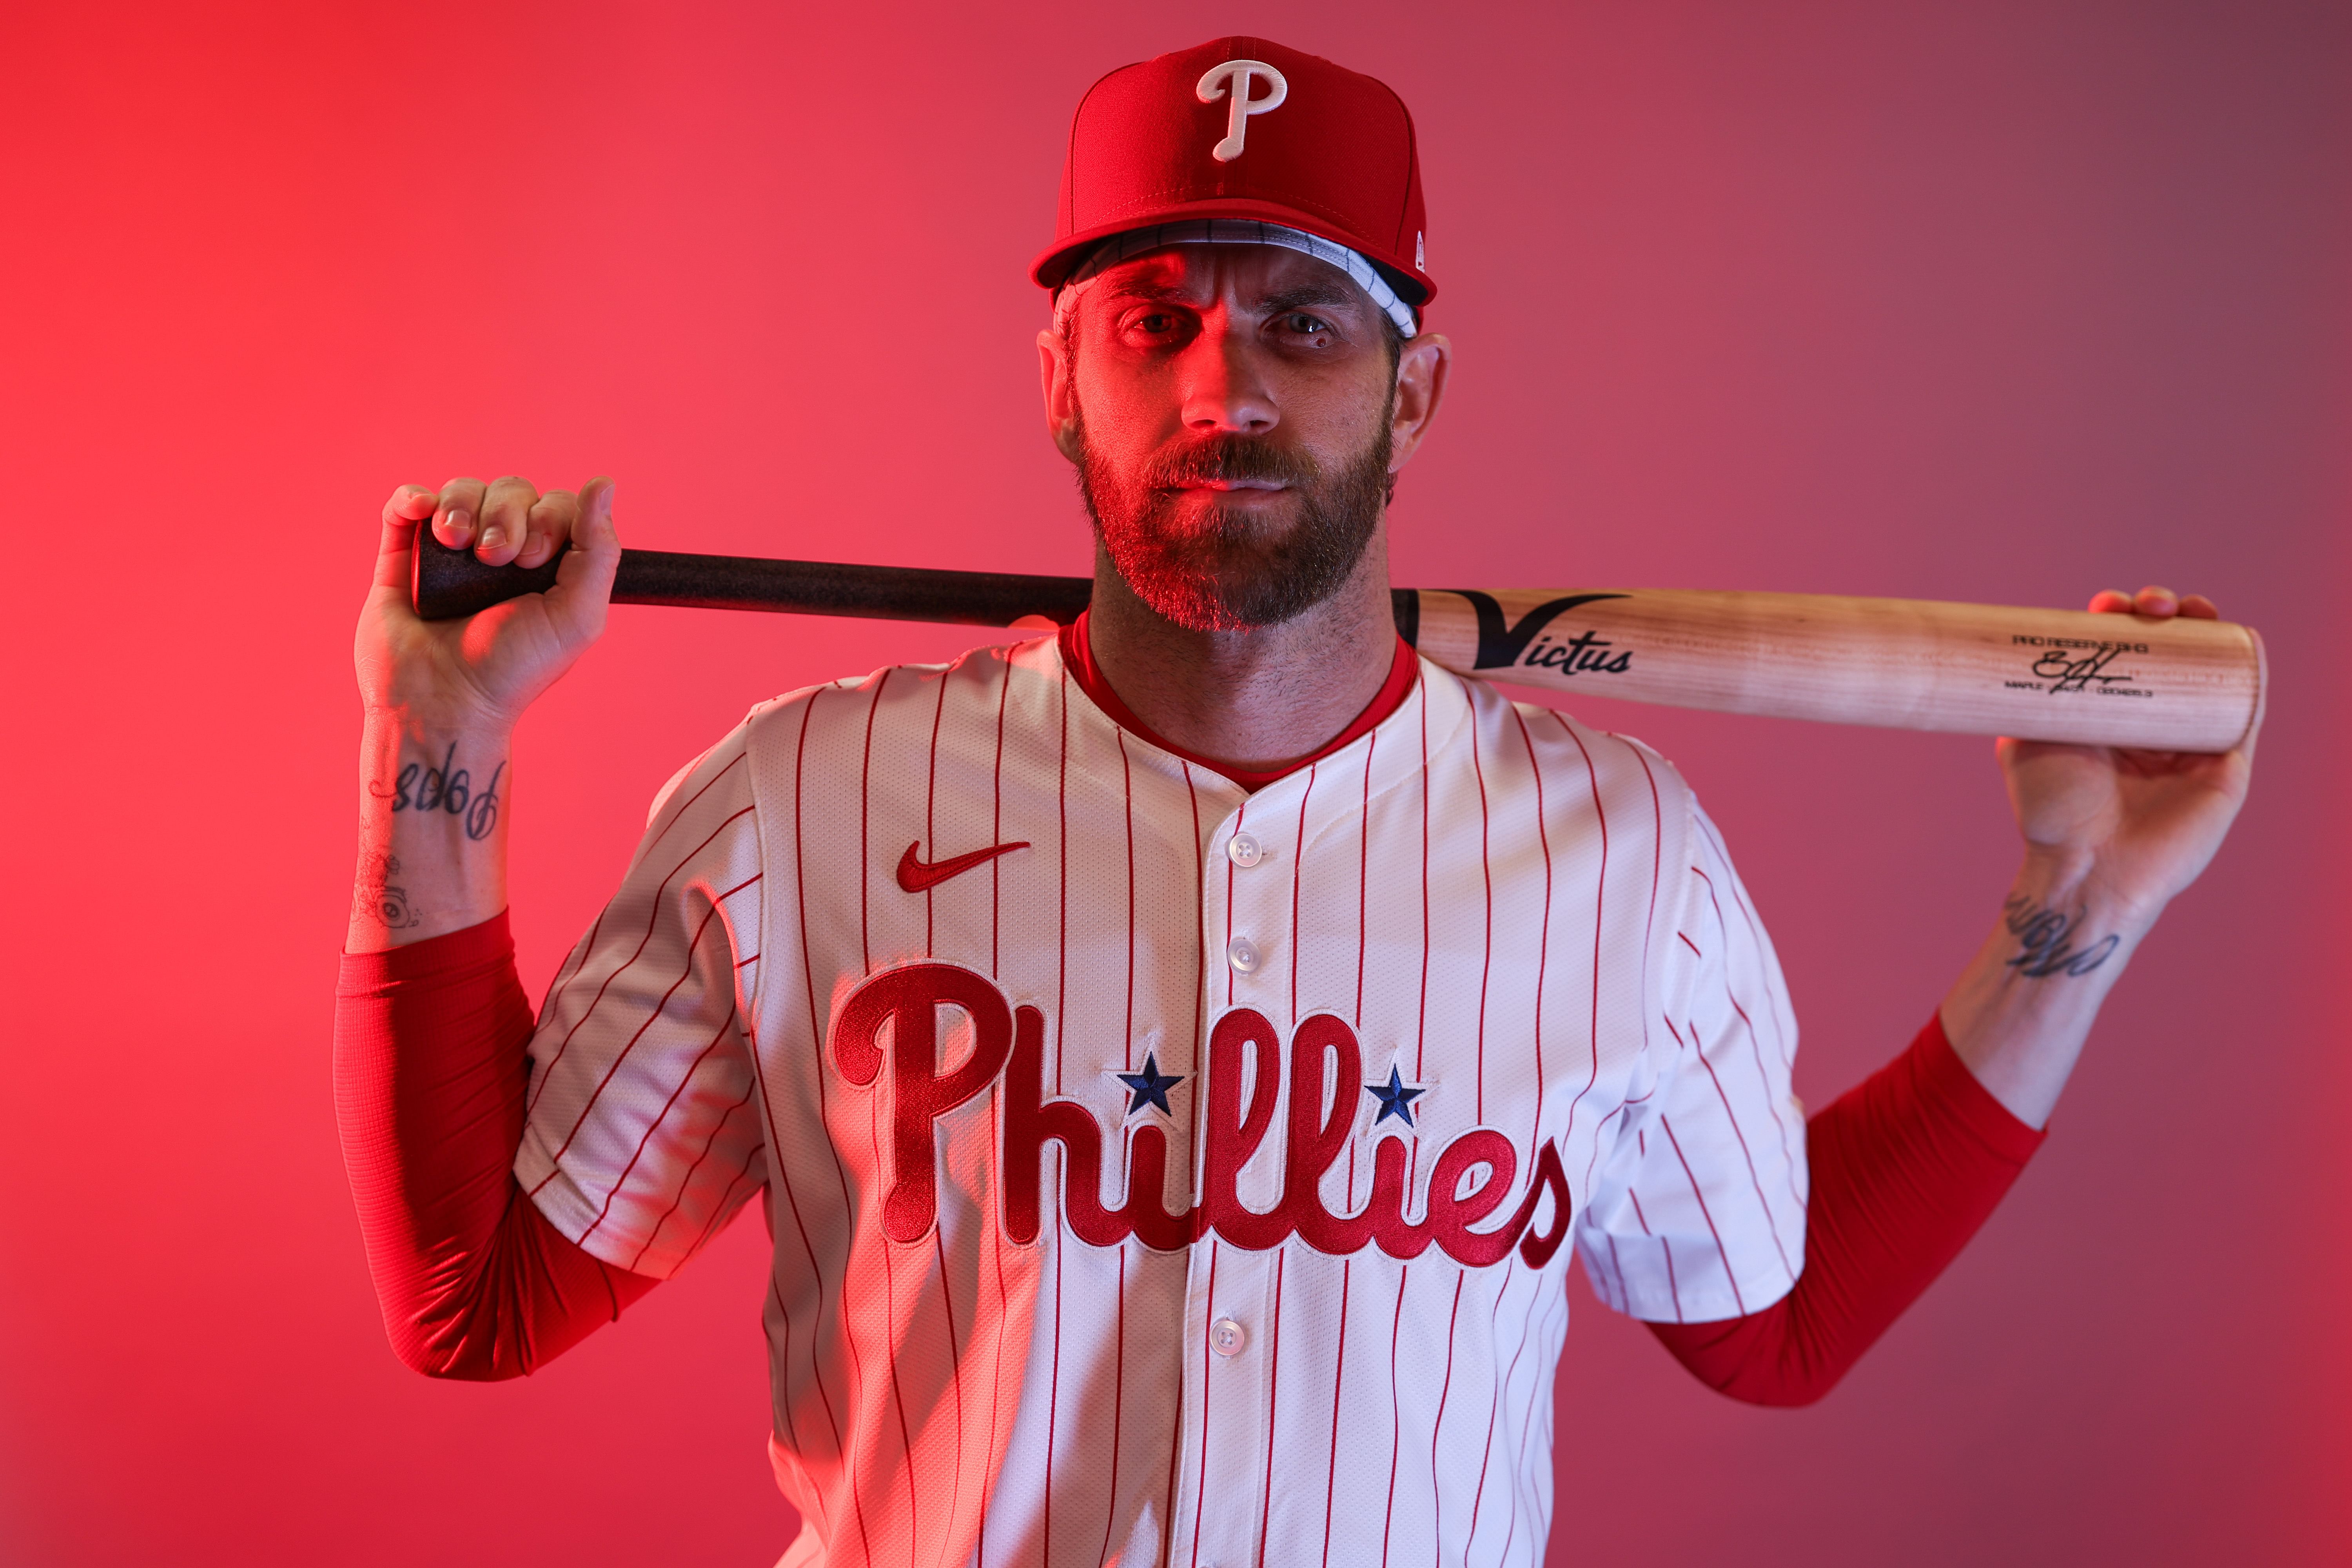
916, 877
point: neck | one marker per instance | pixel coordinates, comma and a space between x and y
1255, 699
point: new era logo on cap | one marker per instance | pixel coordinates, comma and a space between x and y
1193, 135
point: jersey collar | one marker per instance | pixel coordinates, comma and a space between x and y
1077, 655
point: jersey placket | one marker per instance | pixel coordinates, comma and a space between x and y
1232, 1322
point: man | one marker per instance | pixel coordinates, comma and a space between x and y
1173, 1054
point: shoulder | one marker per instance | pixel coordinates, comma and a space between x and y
1567, 755
884, 710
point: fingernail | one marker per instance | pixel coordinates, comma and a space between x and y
490, 537
457, 523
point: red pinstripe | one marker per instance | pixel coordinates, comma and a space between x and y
686, 1181
1673, 1288
1667, 1127
840, 1170
1053, 1421
1543, 937
780, 1172
1528, 1452
1127, 791
1201, 1492
1117, 1410
873, 1106
1396, 1411
1494, 1408
1486, 954
1747, 915
1297, 875
1364, 879
996, 828
1200, 991
1338, 1373
1771, 1101
1273, 1392
865, 825
1599, 900
651, 1018
547, 1072
1437, 1425
1061, 1035
931, 818
995, 1092
1753, 1179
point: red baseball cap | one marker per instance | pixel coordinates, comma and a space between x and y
1244, 128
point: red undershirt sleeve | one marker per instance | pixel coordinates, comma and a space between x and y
430, 1079
1905, 1166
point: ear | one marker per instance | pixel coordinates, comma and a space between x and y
1057, 377
1423, 365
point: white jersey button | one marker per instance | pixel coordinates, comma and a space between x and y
1241, 954
1227, 1337
1245, 850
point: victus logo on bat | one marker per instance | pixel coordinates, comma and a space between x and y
890, 1024
1532, 643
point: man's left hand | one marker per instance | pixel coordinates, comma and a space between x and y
2136, 827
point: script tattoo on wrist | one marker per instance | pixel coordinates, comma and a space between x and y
446, 787
377, 898
2045, 941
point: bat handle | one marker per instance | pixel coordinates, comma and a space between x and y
447, 584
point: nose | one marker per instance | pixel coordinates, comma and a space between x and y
1223, 382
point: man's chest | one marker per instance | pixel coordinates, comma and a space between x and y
1354, 1009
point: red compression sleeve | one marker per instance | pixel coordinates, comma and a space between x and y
1905, 1166
429, 1085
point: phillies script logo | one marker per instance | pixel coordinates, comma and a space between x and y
1009, 1043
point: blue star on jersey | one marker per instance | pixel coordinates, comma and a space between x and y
1395, 1099
1151, 1086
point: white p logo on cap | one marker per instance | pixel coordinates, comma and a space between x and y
1239, 73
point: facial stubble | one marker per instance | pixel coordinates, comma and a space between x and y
1219, 569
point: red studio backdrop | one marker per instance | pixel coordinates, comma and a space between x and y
2008, 300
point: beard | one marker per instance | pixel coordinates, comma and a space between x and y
1223, 569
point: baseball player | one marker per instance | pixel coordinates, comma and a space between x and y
1176, 1055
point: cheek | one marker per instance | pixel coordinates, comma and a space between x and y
1126, 417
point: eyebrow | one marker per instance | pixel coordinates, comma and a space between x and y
1301, 296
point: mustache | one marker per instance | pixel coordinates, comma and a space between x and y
1228, 459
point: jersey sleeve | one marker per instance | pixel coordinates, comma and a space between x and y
643, 1132
1698, 1212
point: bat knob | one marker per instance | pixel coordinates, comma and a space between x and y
447, 584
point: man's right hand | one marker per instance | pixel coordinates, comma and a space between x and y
442, 697
480, 673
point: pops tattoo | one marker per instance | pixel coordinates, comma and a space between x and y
1177, 1055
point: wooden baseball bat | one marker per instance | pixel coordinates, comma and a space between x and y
1912, 664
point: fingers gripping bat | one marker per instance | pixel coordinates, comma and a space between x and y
2181, 685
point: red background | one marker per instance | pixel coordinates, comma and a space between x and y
2005, 300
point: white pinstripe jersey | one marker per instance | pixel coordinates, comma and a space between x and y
1186, 1184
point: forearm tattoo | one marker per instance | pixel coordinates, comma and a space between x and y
378, 898
2045, 941
446, 787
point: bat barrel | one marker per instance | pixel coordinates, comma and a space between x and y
2181, 685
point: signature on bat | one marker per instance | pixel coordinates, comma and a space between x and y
2065, 665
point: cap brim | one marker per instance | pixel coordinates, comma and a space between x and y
1052, 268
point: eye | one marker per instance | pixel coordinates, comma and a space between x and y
1154, 324
1300, 323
